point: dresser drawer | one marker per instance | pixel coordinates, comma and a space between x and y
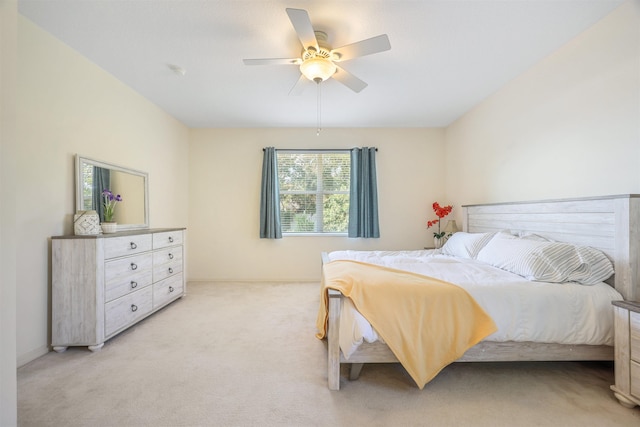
124, 275
128, 309
634, 320
167, 262
126, 245
167, 290
167, 238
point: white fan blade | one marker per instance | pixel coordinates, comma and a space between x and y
364, 47
298, 88
349, 80
272, 61
302, 24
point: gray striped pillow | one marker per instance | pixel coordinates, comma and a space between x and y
546, 261
595, 267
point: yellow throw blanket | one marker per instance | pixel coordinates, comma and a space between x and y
426, 322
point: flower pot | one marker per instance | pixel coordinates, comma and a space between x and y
109, 227
438, 242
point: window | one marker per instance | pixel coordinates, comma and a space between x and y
87, 187
314, 190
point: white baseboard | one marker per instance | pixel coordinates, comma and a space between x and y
32, 355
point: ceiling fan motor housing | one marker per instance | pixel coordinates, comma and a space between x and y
317, 65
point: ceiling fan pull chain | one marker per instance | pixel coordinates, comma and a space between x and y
319, 107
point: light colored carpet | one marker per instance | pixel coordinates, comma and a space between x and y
245, 354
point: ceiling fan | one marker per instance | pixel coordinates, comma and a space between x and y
318, 61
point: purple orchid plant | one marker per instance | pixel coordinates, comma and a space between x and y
110, 201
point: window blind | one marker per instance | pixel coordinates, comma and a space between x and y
314, 190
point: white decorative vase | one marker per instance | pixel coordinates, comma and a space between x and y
109, 227
86, 223
438, 242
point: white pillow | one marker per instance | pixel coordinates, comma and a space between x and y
546, 261
466, 245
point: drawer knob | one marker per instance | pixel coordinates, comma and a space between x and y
134, 266
134, 284
170, 288
133, 245
134, 307
170, 239
170, 256
170, 270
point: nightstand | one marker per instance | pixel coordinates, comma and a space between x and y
627, 353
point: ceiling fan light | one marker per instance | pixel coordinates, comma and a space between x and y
317, 68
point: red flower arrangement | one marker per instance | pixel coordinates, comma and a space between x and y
441, 212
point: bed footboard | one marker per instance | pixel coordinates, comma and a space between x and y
484, 351
332, 339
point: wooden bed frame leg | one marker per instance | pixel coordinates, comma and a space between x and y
355, 371
332, 340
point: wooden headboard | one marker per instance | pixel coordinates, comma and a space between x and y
610, 223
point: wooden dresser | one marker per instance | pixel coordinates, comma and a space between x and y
627, 353
101, 285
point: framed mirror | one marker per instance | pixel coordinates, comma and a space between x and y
93, 176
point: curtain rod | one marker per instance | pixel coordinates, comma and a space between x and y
313, 149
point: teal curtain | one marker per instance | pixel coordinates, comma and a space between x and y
363, 198
101, 182
269, 197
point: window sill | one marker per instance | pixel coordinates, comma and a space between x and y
314, 235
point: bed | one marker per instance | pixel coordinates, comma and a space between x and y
609, 224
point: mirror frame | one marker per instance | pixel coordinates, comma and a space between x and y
80, 160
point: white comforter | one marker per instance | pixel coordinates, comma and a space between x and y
566, 313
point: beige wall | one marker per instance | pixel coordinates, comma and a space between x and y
568, 127
224, 196
67, 105
8, 144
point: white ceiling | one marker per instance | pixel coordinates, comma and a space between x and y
445, 57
